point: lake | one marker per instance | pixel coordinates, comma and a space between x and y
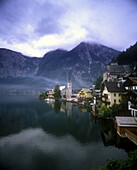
35, 135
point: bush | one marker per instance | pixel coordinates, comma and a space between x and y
130, 163
104, 111
42, 96
116, 164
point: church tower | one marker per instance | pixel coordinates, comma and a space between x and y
69, 87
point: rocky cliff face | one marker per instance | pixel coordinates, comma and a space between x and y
85, 63
14, 64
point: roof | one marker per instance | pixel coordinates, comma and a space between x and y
87, 90
113, 87
126, 121
131, 81
134, 80
62, 87
118, 69
132, 93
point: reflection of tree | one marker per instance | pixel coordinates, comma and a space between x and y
110, 136
57, 107
108, 132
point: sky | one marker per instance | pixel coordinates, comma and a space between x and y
34, 27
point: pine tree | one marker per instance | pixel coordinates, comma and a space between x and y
57, 93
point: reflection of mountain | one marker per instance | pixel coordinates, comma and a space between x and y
17, 115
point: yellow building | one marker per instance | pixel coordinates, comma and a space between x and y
112, 93
51, 94
85, 93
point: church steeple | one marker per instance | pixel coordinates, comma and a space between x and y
69, 87
69, 80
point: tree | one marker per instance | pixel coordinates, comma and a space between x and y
57, 93
104, 111
42, 96
115, 110
98, 83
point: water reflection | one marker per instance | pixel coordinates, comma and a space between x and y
36, 149
37, 135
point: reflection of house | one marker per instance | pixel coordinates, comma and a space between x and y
112, 93
113, 71
85, 93
66, 107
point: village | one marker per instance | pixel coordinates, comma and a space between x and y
116, 99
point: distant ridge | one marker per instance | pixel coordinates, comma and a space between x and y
85, 62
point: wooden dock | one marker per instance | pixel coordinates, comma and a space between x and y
127, 127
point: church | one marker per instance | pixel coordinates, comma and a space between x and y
66, 91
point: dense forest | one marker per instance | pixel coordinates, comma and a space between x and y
129, 56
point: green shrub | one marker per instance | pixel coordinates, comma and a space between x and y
104, 111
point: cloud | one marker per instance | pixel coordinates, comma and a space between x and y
47, 25
32, 148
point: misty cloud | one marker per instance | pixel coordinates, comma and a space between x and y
47, 26
43, 25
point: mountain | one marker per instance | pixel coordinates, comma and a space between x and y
14, 64
129, 56
85, 63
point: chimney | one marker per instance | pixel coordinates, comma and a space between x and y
118, 84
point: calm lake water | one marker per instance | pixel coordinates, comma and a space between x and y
35, 135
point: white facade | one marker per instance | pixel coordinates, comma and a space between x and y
133, 110
66, 91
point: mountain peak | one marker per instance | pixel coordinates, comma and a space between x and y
91, 43
55, 52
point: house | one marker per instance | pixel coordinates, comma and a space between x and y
131, 83
112, 93
113, 71
50, 93
85, 93
131, 87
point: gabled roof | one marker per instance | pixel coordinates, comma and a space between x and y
62, 87
87, 90
132, 92
131, 81
118, 69
113, 87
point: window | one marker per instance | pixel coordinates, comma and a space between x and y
114, 94
114, 100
